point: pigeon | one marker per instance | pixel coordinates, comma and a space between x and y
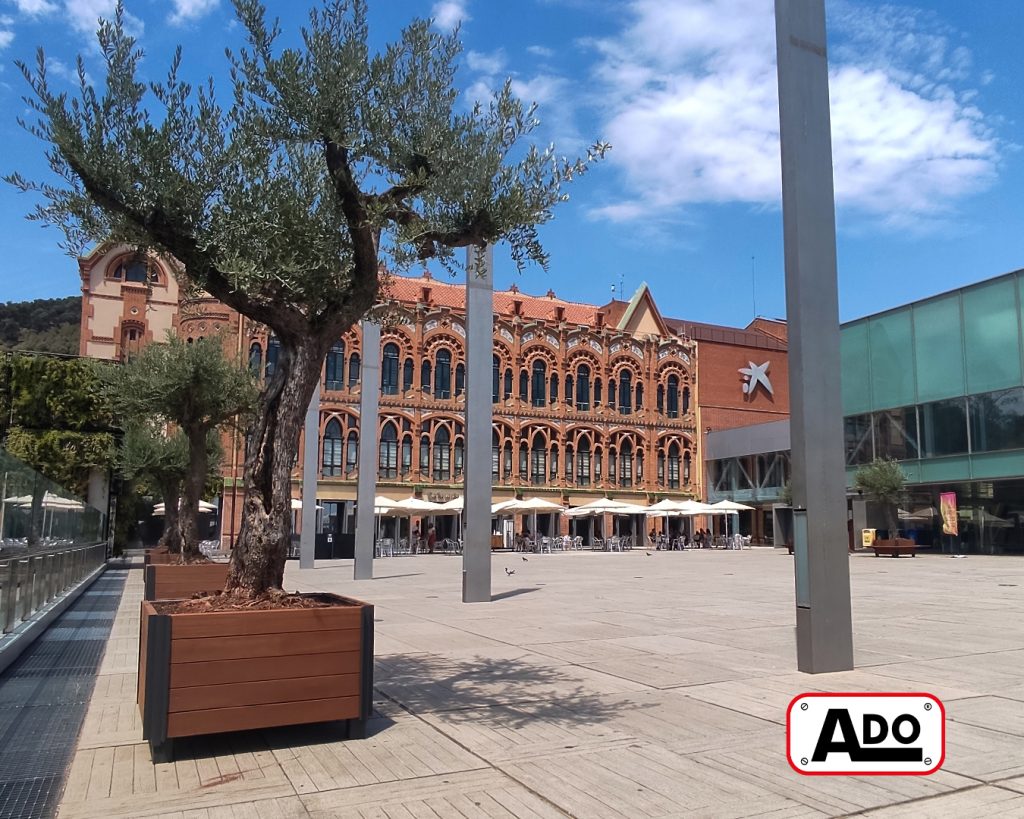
509, 571
526, 560
647, 553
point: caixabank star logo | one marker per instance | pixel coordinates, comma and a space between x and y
866, 734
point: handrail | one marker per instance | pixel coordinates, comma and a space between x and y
30, 582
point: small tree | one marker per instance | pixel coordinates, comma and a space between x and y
146, 452
882, 481
196, 388
330, 160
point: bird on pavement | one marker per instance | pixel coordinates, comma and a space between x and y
510, 572
526, 560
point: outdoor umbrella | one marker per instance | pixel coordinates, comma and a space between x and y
531, 506
603, 505
729, 508
159, 509
453, 507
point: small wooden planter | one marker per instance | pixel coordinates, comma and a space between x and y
212, 672
170, 581
895, 547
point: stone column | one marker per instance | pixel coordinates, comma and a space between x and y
310, 451
476, 555
369, 404
823, 619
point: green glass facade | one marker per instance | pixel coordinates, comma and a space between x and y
938, 385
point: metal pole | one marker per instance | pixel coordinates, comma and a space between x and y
310, 450
476, 553
823, 619
369, 405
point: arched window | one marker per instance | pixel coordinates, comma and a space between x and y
334, 367
626, 464
583, 388
583, 462
625, 392
443, 374
539, 460
425, 455
553, 463
425, 375
673, 465
568, 390
553, 395
135, 270
406, 454
389, 370
495, 452
460, 456
639, 397
273, 351
353, 370
387, 466
332, 449
460, 379
255, 358
613, 463
661, 467
407, 373
351, 452
686, 400
661, 398
524, 386
506, 471
686, 468
508, 385
570, 463
524, 462
540, 382
495, 379
442, 455
639, 467
597, 465
672, 410
597, 392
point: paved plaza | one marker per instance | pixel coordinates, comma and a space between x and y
597, 685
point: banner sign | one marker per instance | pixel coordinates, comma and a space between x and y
947, 507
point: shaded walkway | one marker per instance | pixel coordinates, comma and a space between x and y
43, 700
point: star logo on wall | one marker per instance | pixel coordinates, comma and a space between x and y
755, 374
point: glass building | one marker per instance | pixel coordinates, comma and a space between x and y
938, 385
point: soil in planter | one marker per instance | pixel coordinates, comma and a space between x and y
229, 602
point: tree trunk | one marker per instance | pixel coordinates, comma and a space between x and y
195, 480
170, 538
258, 558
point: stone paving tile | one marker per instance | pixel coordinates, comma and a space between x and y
976, 803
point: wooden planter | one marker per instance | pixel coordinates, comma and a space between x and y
895, 547
170, 581
212, 672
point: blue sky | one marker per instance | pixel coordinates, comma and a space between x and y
926, 114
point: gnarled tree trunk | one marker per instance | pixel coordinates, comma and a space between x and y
198, 467
258, 559
170, 538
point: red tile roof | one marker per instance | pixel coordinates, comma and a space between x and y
444, 294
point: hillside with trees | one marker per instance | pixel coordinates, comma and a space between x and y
42, 325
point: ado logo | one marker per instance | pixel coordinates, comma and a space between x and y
863, 734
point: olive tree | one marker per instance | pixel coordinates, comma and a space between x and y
196, 388
329, 163
883, 481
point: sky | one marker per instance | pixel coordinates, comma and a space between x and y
926, 108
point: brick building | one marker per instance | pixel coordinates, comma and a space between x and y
589, 401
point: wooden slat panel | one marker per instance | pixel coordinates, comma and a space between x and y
274, 621
295, 689
219, 672
264, 645
173, 582
192, 723
140, 692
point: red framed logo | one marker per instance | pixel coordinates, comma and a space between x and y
865, 734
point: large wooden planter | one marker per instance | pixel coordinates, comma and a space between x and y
171, 581
212, 672
895, 547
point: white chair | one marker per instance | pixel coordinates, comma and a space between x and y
545, 543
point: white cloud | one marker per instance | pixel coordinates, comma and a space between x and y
691, 92
541, 51
185, 10
36, 6
449, 13
6, 35
487, 64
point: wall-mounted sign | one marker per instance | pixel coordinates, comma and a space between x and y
755, 374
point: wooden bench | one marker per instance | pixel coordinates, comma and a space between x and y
895, 548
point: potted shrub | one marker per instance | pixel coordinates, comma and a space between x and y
328, 165
884, 482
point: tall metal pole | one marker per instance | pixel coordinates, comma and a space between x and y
310, 450
823, 619
369, 404
476, 555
